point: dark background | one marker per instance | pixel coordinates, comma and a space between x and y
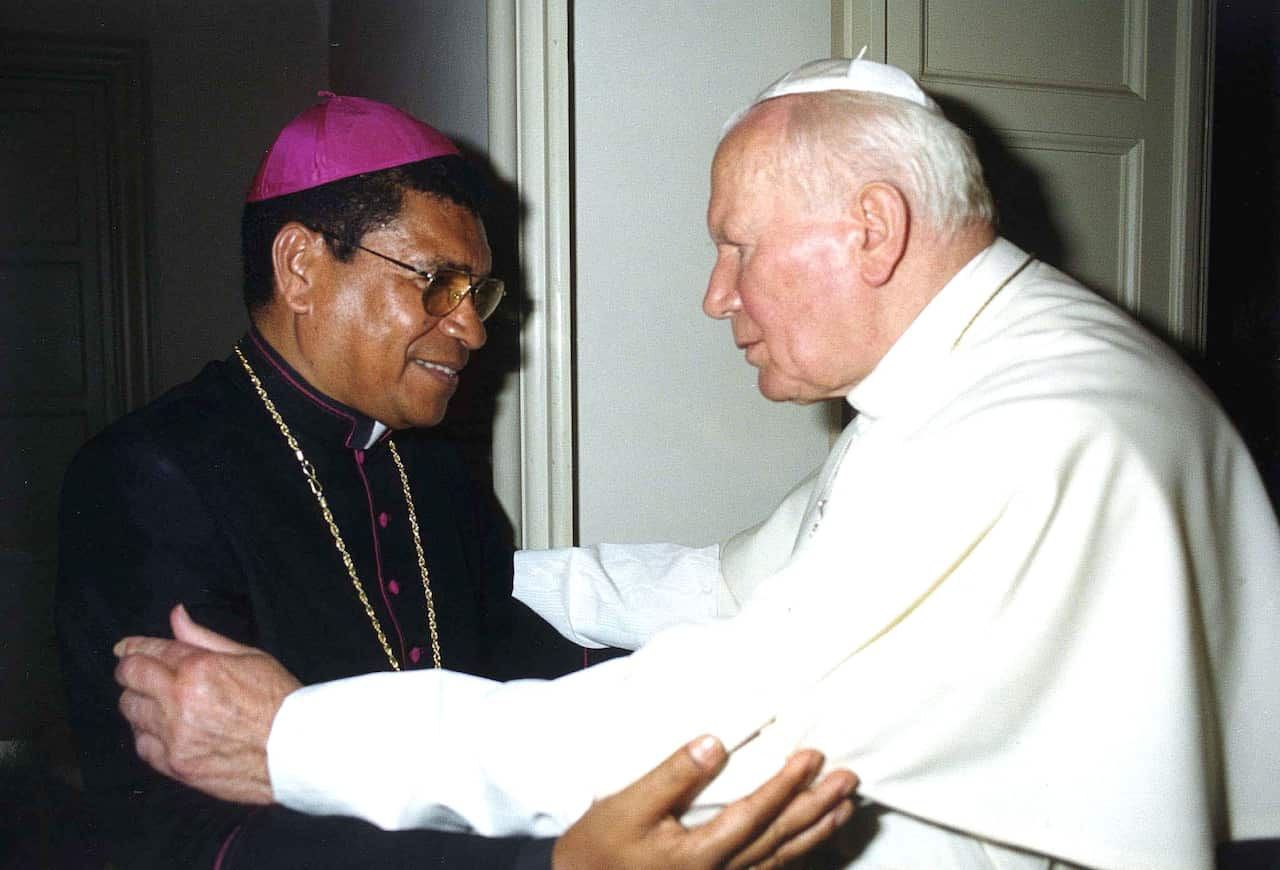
1242, 362
40, 817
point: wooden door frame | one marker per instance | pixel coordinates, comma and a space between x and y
530, 144
114, 73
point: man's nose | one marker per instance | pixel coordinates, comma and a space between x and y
721, 299
465, 325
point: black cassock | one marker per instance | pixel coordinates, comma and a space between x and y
197, 499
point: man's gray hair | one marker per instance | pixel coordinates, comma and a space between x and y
838, 139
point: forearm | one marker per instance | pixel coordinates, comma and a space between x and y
522, 757
621, 595
466, 772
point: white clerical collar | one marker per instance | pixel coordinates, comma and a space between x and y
936, 329
375, 433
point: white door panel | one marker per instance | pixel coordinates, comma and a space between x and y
1091, 118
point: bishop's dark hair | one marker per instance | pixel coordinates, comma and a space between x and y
347, 209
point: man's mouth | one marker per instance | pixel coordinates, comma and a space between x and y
445, 370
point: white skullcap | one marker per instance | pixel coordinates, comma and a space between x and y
842, 74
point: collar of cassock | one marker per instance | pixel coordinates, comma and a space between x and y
304, 407
908, 375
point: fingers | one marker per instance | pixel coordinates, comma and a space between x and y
151, 750
810, 837
670, 787
808, 819
156, 647
188, 637
708, 753
145, 674
637, 826
745, 820
143, 713
186, 630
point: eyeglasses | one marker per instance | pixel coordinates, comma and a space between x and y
446, 288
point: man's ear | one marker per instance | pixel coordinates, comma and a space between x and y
885, 217
295, 257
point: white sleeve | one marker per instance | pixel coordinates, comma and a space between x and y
619, 595
463, 772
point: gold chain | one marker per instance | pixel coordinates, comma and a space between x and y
417, 545
313, 481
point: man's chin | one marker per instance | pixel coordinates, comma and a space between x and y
425, 421
418, 417
773, 392
786, 393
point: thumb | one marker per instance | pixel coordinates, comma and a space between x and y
670, 788
708, 753
186, 630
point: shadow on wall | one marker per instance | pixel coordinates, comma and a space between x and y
1023, 212
469, 421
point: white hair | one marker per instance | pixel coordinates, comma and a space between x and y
836, 141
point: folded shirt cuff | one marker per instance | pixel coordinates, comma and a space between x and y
619, 595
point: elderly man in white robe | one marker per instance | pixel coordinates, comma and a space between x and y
1032, 597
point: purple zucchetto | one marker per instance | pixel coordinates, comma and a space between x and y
341, 137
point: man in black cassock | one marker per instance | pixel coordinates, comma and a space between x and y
284, 498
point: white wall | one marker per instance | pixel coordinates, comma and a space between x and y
674, 441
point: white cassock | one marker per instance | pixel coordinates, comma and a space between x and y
1033, 596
